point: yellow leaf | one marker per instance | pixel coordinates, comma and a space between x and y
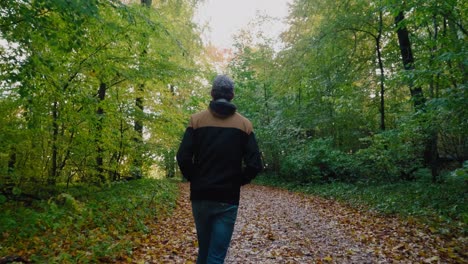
399, 246
430, 260
328, 258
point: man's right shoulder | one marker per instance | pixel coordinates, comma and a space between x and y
199, 114
195, 118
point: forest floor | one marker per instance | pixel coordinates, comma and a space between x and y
278, 226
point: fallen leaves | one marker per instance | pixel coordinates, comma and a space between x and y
301, 234
171, 239
277, 226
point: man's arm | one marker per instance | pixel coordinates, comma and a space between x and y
252, 160
185, 154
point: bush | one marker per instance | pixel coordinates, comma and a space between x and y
391, 156
84, 225
461, 173
318, 161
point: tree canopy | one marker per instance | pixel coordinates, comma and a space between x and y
362, 90
82, 81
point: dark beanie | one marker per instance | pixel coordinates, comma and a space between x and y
223, 88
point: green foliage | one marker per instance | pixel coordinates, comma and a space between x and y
69, 81
317, 161
391, 156
84, 224
340, 77
461, 173
443, 205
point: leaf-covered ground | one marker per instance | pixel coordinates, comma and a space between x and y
277, 226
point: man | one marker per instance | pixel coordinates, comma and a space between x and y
216, 144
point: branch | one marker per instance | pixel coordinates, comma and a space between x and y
359, 30
118, 82
21, 20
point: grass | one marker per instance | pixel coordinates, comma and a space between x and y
443, 206
85, 225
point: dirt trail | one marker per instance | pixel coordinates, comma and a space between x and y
277, 226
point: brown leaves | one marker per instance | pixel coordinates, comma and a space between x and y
277, 226
172, 239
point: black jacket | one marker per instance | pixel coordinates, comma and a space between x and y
218, 153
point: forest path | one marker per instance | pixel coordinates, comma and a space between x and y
278, 226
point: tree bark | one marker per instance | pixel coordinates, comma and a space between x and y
408, 59
430, 151
12, 160
99, 149
146, 3
136, 171
55, 131
382, 73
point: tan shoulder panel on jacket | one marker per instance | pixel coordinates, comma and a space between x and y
207, 119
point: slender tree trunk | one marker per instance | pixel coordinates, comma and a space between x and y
99, 143
452, 27
382, 73
434, 87
121, 147
265, 98
430, 151
408, 59
136, 170
170, 163
51, 180
12, 161
138, 127
8, 183
146, 3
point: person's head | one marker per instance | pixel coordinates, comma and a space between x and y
223, 88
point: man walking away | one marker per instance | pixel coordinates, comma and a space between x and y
217, 155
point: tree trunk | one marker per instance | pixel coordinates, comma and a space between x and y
408, 59
430, 151
55, 131
382, 73
99, 148
12, 161
8, 184
146, 3
169, 161
138, 127
136, 170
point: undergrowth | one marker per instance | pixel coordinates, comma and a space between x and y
443, 206
84, 225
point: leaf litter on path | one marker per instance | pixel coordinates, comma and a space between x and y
278, 226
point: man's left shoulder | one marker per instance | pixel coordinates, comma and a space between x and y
247, 125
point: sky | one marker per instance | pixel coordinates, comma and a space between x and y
226, 17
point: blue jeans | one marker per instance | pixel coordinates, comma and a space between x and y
215, 223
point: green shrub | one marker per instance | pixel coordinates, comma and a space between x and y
318, 161
461, 173
391, 156
443, 205
84, 224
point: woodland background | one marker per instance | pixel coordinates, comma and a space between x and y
364, 100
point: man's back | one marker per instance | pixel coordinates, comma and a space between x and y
218, 154
221, 139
